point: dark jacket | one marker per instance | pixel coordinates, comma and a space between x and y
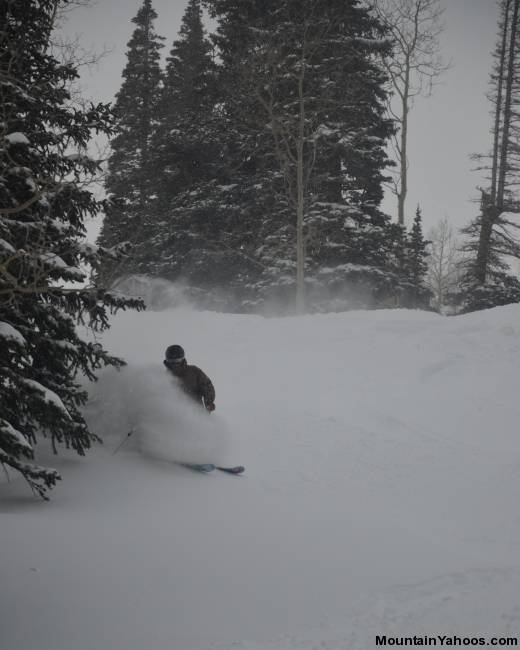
193, 382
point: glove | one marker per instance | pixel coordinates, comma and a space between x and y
210, 407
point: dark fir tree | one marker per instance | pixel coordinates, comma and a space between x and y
492, 236
181, 148
415, 267
129, 183
305, 101
187, 151
43, 205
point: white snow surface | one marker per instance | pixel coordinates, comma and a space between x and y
380, 496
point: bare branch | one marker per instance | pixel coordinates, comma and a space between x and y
444, 262
415, 64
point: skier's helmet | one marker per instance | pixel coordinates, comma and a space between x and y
175, 354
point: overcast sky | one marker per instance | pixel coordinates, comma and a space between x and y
445, 129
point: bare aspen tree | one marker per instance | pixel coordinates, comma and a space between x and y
415, 27
443, 262
307, 70
292, 133
278, 80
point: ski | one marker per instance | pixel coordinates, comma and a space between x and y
239, 469
205, 468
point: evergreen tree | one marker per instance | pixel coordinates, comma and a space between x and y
415, 268
498, 286
182, 152
130, 180
187, 150
43, 205
491, 236
305, 105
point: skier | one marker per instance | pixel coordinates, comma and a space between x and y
191, 379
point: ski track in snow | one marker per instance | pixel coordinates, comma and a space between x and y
380, 496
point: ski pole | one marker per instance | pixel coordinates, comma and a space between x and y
123, 441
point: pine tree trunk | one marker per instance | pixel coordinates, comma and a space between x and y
507, 109
488, 211
492, 205
498, 109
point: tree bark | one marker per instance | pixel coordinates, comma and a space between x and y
484, 245
493, 205
507, 109
403, 153
498, 109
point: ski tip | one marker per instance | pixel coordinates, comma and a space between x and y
239, 469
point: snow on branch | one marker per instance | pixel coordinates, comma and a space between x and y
13, 437
9, 333
16, 138
49, 396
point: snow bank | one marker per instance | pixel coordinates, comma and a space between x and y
380, 496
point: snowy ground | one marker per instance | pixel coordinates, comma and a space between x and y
380, 498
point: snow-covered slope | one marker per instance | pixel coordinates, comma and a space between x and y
380, 498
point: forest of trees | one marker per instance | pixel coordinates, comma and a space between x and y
250, 168
490, 240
